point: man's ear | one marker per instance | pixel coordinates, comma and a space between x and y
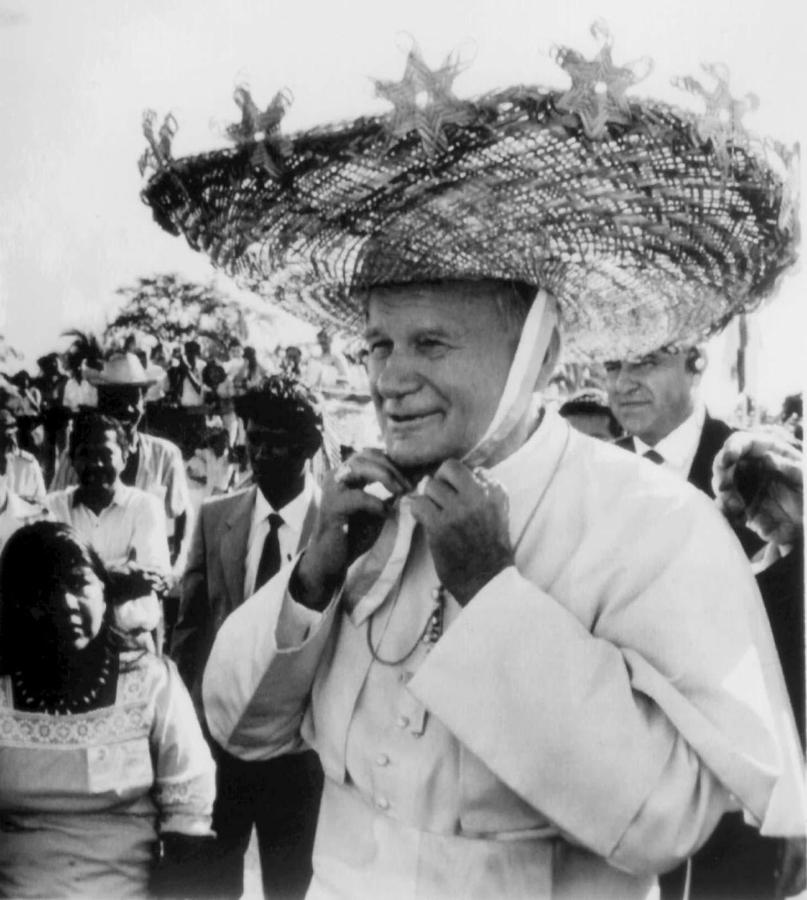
696, 360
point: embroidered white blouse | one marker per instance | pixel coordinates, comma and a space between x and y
84, 796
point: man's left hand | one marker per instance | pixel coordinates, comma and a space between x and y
465, 515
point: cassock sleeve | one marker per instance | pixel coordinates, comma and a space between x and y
633, 735
255, 698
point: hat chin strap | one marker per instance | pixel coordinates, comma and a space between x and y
530, 368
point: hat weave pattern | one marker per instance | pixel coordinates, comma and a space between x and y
647, 236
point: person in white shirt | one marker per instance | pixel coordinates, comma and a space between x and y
240, 541
24, 473
153, 464
15, 511
212, 470
123, 524
78, 391
656, 400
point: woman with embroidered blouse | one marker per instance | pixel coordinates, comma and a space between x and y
106, 783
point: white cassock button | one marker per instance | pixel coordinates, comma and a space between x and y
402, 722
382, 802
382, 759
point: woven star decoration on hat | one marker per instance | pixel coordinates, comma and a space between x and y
424, 102
597, 94
722, 122
261, 130
650, 225
158, 154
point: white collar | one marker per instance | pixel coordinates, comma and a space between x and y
678, 448
119, 497
293, 513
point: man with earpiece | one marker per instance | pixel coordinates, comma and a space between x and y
656, 399
657, 402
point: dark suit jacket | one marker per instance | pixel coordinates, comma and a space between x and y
712, 438
213, 583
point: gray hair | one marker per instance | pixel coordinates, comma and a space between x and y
513, 299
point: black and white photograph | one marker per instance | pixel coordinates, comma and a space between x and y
401, 450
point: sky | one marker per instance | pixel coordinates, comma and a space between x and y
75, 78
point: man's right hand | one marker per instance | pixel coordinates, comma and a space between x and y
347, 525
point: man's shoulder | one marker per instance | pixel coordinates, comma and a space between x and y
61, 501
26, 458
227, 505
622, 480
136, 497
160, 447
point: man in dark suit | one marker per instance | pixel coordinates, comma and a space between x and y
241, 541
656, 400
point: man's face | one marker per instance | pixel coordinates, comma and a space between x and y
124, 403
653, 396
439, 356
277, 457
99, 461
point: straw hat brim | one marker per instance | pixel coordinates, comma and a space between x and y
647, 237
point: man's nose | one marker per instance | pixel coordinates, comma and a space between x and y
397, 377
624, 382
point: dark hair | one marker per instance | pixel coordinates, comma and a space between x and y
35, 561
282, 402
591, 404
89, 424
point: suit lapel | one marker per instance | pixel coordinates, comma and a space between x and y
234, 546
713, 436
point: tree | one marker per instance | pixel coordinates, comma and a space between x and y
174, 311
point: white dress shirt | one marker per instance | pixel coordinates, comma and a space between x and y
293, 515
79, 393
160, 471
25, 475
679, 447
16, 512
131, 527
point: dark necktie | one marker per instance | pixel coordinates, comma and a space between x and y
270, 555
654, 457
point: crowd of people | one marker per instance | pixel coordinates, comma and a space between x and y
492, 656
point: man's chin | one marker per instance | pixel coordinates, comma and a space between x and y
414, 463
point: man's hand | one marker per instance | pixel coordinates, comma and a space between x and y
776, 512
347, 525
465, 515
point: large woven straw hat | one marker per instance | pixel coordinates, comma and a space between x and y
650, 225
